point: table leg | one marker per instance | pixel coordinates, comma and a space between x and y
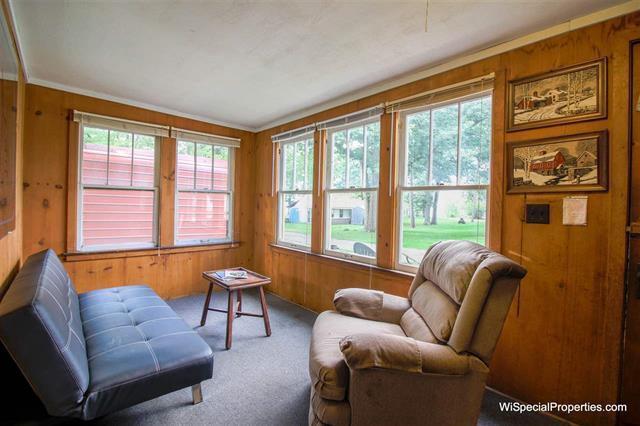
205, 310
229, 319
265, 312
239, 309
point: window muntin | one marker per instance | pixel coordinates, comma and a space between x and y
295, 200
351, 196
204, 195
118, 191
444, 184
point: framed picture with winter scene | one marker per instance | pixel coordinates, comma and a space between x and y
562, 164
566, 95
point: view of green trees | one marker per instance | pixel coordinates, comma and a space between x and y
447, 146
202, 150
113, 138
432, 158
298, 165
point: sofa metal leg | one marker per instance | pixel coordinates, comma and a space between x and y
196, 391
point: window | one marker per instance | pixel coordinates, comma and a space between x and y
445, 175
295, 199
118, 191
351, 197
204, 193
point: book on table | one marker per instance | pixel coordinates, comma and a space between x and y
231, 274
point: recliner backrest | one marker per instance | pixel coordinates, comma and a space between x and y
462, 291
41, 328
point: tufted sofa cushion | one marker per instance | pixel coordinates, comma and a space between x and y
88, 355
131, 333
40, 325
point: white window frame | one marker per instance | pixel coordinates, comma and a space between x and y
156, 190
403, 152
309, 139
229, 191
364, 189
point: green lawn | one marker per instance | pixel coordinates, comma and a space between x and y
420, 237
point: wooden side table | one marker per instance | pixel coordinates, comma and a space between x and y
253, 280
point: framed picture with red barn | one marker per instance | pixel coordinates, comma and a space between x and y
574, 163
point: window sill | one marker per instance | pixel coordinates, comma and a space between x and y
119, 254
339, 260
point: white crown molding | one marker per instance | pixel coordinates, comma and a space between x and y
573, 24
130, 102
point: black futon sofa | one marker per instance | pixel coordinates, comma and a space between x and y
91, 354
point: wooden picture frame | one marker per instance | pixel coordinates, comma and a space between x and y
566, 95
576, 163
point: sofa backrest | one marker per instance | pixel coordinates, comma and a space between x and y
462, 291
41, 328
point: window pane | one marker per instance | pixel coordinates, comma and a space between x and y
339, 159
300, 151
445, 145
143, 161
120, 158
186, 165
202, 216
288, 167
309, 185
94, 156
356, 157
295, 219
475, 124
432, 216
352, 226
221, 179
204, 166
117, 217
372, 139
418, 128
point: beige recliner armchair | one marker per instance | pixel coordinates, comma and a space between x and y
386, 360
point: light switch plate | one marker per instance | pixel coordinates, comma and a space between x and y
537, 213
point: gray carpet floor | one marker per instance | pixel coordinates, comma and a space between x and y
261, 380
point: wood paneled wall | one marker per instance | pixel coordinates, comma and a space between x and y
46, 157
11, 244
562, 339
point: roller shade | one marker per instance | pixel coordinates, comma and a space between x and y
192, 136
112, 123
443, 94
351, 118
292, 134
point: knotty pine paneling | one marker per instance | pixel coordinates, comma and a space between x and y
11, 244
46, 166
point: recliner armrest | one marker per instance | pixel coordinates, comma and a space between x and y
365, 350
370, 304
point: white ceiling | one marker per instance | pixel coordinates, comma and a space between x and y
252, 63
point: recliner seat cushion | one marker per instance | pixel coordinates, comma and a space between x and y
138, 348
327, 368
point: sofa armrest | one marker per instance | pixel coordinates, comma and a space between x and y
366, 350
370, 304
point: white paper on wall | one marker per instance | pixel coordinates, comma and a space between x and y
574, 210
